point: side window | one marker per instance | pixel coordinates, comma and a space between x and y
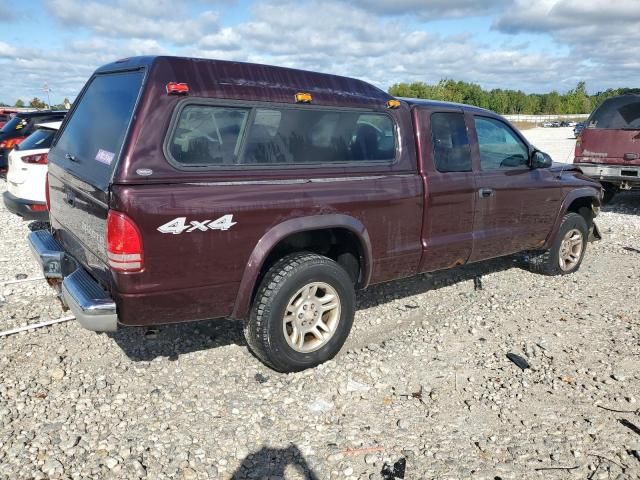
451, 150
301, 136
500, 147
208, 136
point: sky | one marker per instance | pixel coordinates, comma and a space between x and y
530, 45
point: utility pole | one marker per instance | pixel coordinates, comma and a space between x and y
47, 89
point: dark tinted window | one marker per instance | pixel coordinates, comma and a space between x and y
617, 113
309, 136
500, 147
450, 142
41, 138
4, 118
210, 135
96, 130
207, 135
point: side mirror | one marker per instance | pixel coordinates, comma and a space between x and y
540, 160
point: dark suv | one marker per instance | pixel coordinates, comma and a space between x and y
184, 189
20, 127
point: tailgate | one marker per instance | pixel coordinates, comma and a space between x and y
82, 163
599, 145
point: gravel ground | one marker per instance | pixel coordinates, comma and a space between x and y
424, 378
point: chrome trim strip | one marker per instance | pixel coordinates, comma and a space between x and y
295, 181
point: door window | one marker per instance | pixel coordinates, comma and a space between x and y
500, 147
451, 151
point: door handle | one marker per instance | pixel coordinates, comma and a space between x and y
486, 192
630, 156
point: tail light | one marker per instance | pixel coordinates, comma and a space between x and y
39, 159
37, 208
124, 243
11, 142
46, 192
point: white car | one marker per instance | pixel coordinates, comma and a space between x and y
27, 175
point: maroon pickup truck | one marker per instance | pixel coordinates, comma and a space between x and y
184, 189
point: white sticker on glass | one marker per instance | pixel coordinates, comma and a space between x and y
105, 156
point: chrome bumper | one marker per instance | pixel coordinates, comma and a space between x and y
612, 173
90, 303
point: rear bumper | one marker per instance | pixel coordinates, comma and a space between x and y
20, 207
617, 174
90, 303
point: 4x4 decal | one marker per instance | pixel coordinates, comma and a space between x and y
179, 225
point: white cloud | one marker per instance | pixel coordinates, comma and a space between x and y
433, 9
369, 39
168, 24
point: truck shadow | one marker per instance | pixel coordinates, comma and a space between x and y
626, 203
274, 463
171, 341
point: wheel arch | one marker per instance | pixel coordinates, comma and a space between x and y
268, 244
581, 201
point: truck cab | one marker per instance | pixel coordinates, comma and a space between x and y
185, 189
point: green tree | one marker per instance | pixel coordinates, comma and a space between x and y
37, 103
19, 103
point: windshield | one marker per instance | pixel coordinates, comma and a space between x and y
620, 113
15, 125
91, 141
41, 138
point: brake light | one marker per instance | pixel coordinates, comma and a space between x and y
46, 192
37, 208
124, 243
39, 159
175, 88
11, 142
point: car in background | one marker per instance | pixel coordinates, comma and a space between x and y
577, 129
27, 175
608, 148
20, 127
5, 115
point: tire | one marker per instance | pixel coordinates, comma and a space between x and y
610, 191
549, 263
284, 343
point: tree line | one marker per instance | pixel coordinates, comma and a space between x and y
576, 100
39, 104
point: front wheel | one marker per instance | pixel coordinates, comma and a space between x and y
567, 250
302, 313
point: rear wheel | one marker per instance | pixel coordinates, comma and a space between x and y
567, 250
302, 313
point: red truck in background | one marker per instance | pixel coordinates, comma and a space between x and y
184, 189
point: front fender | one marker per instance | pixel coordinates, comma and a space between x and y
573, 195
281, 231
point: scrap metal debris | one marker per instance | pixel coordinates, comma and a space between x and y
520, 362
33, 326
629, 425
19, 279
397, 470
477, 283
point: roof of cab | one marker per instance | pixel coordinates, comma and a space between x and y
250, 81
440, 104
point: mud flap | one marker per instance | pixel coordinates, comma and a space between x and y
594, 233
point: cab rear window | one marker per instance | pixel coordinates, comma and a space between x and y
90, 144
217, 136
617, 113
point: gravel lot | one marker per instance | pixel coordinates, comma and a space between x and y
424, 378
